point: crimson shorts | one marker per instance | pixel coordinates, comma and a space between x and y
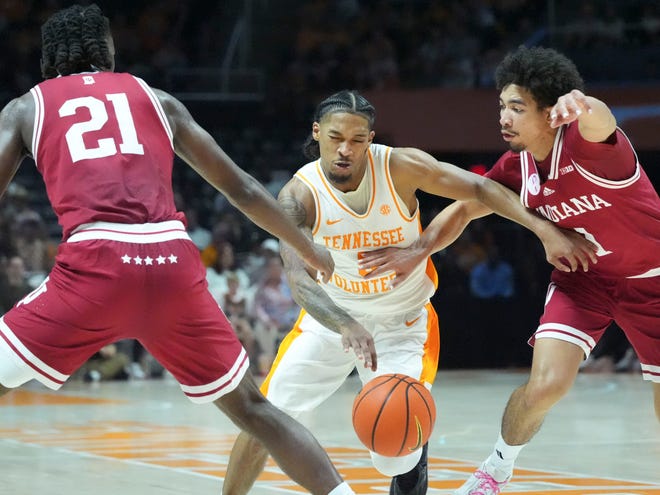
113, 282
579, 307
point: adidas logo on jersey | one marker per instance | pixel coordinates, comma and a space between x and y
547, 191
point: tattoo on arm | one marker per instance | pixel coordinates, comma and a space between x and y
304, 288
294, 209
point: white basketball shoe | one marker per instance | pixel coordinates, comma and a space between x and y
481, 483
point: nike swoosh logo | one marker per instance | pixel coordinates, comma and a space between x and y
412, 322
419, 436
332, 222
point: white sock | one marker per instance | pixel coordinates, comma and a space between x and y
500, 463
342, 489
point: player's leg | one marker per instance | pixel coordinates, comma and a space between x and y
308, 368
638, 315
555, 365
292, 446
247, 460
411, 349
42, 339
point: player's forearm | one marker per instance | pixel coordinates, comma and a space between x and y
506, 203
310, 296
447, 226
315, 301
265, 211
598, 123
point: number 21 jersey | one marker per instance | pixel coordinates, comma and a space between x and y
104, 148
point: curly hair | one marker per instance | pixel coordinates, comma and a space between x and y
74, 40
544, 72
344, 101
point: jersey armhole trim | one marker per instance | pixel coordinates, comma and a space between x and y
317, 203
159, 109
38, 97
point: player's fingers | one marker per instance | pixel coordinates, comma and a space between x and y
559, 264
371, 258
373, 357
375, 272
573, 262
592, 252
583, 260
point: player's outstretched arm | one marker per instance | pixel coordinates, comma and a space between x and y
198, 148
413, 169
297, 202
441, 232
596, 121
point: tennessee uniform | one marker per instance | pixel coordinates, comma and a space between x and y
311, 363
104, 147
601, 191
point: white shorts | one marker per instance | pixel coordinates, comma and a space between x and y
311, 363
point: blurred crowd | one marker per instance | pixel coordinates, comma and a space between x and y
307, 48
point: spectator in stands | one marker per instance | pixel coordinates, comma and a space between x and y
275, 310
107, 364
32, 244
200, 235
225, 264
13, 283
492, 278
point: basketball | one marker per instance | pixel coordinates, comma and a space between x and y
393, 415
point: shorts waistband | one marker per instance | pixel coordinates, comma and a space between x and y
141, 233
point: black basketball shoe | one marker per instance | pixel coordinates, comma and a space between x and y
415, 481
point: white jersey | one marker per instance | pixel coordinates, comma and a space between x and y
347, 234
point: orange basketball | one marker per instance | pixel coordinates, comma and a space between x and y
393, 415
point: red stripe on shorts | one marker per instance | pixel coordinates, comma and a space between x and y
224, 385
29, 363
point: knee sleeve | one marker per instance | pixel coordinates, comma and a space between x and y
12, 373
392, 466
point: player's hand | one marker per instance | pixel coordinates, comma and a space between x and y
357, 338
322, 262
402, 261
568, 108
568, 250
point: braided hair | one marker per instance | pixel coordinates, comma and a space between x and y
75, 39
346, 102
544, 72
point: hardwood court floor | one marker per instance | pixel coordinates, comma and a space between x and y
144, 438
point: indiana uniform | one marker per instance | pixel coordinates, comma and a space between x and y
126, 267
601, 191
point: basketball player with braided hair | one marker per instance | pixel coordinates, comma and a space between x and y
570, 163
104, 143
353, 197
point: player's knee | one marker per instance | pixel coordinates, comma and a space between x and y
546, 390
393, 466
13, 376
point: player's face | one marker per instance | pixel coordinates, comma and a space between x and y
344, 140
523, 124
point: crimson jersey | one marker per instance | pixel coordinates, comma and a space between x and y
598, 189
104, 148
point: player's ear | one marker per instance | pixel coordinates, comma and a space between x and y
548, 111
316, 131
